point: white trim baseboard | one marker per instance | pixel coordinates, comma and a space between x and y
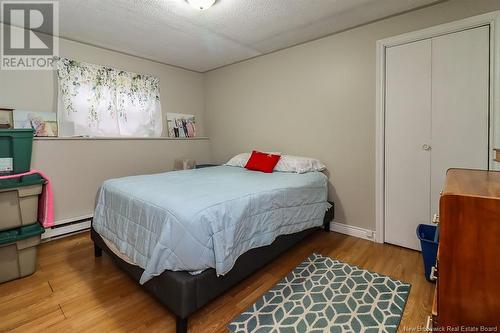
351, 230
67, 227
56, 233
70, 226
73, 219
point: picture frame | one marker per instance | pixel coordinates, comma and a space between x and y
181, 125
44, 123
6, 118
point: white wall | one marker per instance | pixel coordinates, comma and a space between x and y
318, 99
78, 167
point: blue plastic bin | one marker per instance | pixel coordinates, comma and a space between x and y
428, 236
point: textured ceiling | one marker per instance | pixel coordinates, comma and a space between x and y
172, 32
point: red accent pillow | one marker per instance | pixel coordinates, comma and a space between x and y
259, 161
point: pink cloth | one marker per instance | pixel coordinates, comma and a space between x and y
46, 202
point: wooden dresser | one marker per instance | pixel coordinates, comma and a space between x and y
468, 264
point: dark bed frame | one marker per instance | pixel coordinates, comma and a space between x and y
183, 293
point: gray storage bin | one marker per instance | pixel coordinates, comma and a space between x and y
18, 259
19, 204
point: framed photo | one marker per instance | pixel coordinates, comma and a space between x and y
181, 125
44, 123
6, 118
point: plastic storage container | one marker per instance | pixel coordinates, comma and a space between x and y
18, 249
15, 150
19, 201
428, 236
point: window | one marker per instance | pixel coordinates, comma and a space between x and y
106, 102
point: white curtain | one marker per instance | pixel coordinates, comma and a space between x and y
98, 101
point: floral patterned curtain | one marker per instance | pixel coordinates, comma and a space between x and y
101, 101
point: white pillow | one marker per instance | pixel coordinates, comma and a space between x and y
239, 160
298, 164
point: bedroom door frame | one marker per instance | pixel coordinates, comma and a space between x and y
492, 20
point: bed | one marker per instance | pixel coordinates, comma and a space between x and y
188, 236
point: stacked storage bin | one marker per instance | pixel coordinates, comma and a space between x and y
20, 232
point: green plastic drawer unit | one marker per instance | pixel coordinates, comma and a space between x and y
19, 201
18, 249
15, 150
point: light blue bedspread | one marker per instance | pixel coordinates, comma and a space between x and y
192, 220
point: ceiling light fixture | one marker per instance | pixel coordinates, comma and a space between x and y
201, 4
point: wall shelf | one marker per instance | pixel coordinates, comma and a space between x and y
78, 138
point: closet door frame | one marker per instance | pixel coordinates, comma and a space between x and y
490, 19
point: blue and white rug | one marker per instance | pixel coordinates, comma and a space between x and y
326, 295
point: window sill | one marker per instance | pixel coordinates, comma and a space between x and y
116, 138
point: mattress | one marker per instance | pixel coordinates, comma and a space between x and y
117, 252
192, 220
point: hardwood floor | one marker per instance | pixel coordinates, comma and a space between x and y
73, 292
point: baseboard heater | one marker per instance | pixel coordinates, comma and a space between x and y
67, 227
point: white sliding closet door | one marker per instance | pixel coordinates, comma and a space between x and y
460, 89
408, 127
436, 118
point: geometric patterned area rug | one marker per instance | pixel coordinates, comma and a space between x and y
326, 295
